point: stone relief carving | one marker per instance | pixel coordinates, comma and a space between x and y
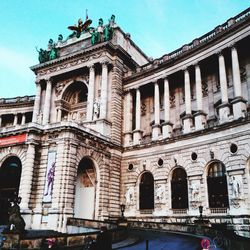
172, 100
59, 88
160, 193
143, 109
96, 109
236, 185
195, 191
129, 196
204, 89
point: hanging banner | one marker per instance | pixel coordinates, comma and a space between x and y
14, 139
50, 174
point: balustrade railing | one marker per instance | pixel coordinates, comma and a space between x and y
201, 40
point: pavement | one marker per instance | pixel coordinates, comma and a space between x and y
160, 241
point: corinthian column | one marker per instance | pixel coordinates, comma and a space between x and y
36, 109
91, 90
167, 126
104, 91
239, 103
128, 119
137, 131
156, 126
46, 110
187, 120
224, 110
199, 116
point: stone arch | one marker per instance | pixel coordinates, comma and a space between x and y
178, 186
146, 190
216, 184
75, 93
98, 162
85, 189
10, 179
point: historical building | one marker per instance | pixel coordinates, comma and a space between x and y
108, 126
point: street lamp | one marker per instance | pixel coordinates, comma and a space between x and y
201, 210
122, 206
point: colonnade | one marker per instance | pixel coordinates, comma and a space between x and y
191, 121
15, 121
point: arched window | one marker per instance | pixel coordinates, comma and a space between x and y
10, 175
147, 191
76, 93
179, 189
217, 185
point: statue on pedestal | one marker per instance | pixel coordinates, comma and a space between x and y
16, 221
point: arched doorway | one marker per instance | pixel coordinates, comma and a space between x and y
10, 175
85, 190
146, 191
217, 185
179, 189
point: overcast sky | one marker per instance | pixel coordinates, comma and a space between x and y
156, 26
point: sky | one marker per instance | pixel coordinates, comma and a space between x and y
156, 26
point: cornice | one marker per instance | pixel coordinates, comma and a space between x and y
83, 56
161, 63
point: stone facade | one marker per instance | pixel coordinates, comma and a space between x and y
131, 127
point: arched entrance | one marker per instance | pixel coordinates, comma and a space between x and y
146, 191
217, 185
179, 189
10, 175
85, 190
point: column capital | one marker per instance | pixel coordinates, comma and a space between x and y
165, 77
219, 52
196, 64
184, 69
91, 66
105, 63
37, 81
232, 45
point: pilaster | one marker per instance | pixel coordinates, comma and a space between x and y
36, 109
46, 110
91, 89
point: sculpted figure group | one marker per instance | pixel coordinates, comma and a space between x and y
99, 34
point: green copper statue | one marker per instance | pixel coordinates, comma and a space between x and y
109, 29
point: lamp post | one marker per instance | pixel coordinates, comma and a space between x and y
201, 210
122, 206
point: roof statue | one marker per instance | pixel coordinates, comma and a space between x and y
101, 33
80, 28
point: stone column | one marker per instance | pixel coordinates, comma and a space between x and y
15, 119
91, 91
187, 120
199, 116
104, 91
26, 178
36, 109
224, 110
59, 115
167, 126
46, 109
128, 119
239, 104
23, 119
156, 129
137, 133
